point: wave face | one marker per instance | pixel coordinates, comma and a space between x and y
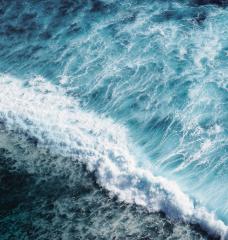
122, 87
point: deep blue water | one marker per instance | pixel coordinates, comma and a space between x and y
113, 119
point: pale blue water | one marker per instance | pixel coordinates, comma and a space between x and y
158, 69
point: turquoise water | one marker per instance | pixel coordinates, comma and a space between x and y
135, 90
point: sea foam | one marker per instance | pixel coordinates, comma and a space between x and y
42, 112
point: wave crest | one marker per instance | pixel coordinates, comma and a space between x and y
42, 112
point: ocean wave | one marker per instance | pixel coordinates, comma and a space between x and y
40, 112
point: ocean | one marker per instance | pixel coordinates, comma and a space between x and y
113, 119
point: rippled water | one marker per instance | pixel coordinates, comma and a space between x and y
130, 96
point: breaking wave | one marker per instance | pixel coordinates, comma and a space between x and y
39, 112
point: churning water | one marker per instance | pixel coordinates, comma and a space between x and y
113, 119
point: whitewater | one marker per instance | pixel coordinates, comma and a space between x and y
131, 98
56, 123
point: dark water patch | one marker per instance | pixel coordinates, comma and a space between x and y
200, 18
69, 7
34, 207
98, 6
220, 3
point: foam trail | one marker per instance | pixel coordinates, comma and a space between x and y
43, 112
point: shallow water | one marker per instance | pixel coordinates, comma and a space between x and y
136, 91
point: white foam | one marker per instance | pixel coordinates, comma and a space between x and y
41, 110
